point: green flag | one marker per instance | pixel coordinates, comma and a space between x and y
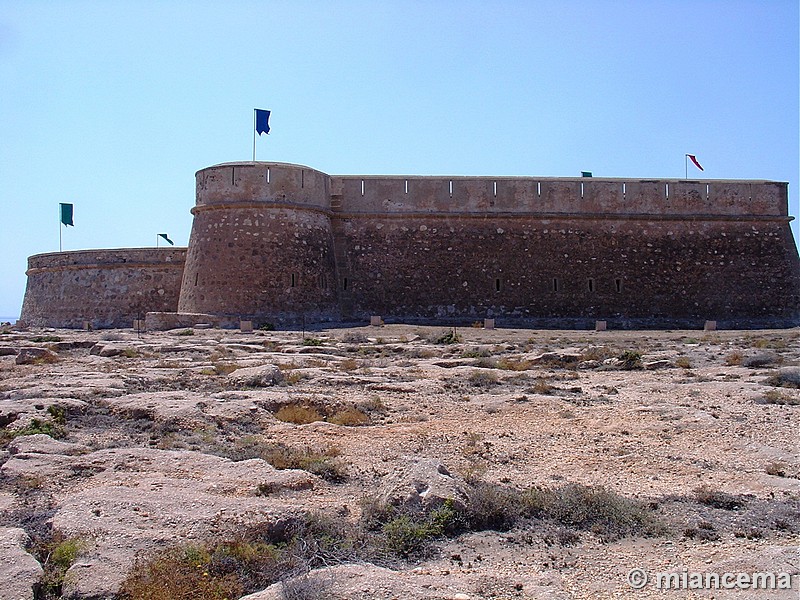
66, 214
169, 241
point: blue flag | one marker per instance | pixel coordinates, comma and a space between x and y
164, 235
262, 121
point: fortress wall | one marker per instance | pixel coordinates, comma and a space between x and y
261, 245
586, 195
252, 262
282, 243
107, 288
655, 272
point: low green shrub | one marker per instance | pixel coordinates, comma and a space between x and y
409, 534
449, 337
56, 554
631, 360
46, 338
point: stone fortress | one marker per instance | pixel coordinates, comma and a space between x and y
285, 244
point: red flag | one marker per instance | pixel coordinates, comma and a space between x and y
694, 160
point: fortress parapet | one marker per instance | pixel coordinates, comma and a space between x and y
587, 198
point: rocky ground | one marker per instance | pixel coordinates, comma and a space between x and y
117, 446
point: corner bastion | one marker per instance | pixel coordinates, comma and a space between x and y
106, 288
286, 244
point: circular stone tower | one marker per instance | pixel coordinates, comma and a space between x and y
105, 288
261, 245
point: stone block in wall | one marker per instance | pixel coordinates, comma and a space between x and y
710, 326
375, 321
246, 326
600, 325
488, 323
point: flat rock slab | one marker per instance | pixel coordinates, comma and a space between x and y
19, 571
360, 581
44, 444
130, 500
33, 356
189, 408
261, 376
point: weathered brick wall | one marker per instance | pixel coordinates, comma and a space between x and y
107, 288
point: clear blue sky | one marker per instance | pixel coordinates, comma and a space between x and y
113, 106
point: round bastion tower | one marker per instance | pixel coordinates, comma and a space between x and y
261, 245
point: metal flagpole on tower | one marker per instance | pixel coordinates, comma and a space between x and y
59, 228
686, 164
254, 134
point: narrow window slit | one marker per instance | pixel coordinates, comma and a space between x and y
406, 186
267, 174
618, 284
555, 284
591, 285
451, 188
494, 188
294, 281
498, 285
362, 187
344, 283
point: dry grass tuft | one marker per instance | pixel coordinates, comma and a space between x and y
299, 414
350, 416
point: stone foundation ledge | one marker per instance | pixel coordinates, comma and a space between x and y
162, 321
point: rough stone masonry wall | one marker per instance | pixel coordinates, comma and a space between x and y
571, 271
107, 288
282, 243
278, 242
261, 245
567, 251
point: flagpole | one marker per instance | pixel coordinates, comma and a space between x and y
59, 228
254, 135
157, 240
686, 164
